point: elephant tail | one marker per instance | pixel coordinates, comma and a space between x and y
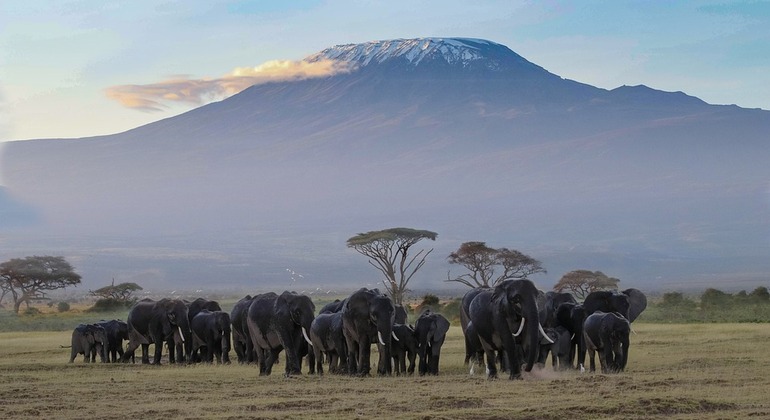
65, 347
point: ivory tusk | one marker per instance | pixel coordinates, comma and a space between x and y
304, 334
379, 335
540, 327
521, 327
394, 336
180, 333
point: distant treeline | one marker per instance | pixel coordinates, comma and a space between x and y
712, 305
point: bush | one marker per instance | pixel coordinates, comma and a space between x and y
109, 305
31, 311
63, 307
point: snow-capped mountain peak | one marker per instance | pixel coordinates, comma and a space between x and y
453, 51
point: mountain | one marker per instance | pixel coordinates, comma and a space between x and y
460, 136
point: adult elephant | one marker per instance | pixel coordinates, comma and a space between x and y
404, 348
608, 334
552, 302
328, 339
472, 350
430, 329
151, 322
116, 331
278, 323
607, 301
368, 317
211, 336
506, 319
332, 307
88, 340
571, 316
637, 303
242, 344
400, 314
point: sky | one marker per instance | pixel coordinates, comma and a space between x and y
84, 68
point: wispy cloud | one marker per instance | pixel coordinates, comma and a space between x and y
155, 96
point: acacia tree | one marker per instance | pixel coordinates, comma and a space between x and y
583, 282
122, 292
27, 278
388, 252
489, 266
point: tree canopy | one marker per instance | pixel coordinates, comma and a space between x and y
388, 252
489, 266
27, 278
583, 282
122, 292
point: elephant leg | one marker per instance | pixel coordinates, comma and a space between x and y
592, 362
364, 357
434, 362
491, 365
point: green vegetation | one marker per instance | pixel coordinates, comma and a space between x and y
712, 306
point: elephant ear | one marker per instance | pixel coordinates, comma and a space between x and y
282, 305
500, 297
637, 303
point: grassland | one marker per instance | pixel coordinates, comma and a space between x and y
695, 371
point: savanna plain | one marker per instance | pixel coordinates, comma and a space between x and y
680, 371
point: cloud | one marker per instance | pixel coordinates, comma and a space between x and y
154, 96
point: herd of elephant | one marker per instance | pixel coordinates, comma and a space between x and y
516, 325
260, 327
513, 324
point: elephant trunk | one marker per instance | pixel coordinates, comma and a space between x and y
384, 332
623, 353
532, 336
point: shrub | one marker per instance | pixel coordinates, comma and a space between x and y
31, 311
63, 307
109, 305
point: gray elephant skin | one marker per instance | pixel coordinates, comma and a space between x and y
473, 349
280, 322
510, 308
559, 348
242, 344
88, 340
368, 317
151, 322
571, 317
552, 302
607, 334
431, 329
607, 301
211, 336
329, 342
116, 331
404, 348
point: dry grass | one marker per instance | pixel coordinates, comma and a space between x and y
715, 371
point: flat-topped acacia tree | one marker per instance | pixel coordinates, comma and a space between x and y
388, 252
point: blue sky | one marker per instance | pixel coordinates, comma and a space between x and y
59, 59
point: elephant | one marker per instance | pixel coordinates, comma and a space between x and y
607, 333
430, 329
400, 314
552, 301
211, 331
193, 308
637, 303
151, 322
559, 348
280, 322
571, 316
332, 307
506, 319
327, 338
368, 316
241, 338
607, 301
88, 340
471, 339
116, 331
404, 347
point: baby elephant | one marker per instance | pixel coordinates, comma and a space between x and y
559, 348
88, 339
608, 334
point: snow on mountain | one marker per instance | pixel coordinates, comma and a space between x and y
454, 51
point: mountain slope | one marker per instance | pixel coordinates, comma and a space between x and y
460, 136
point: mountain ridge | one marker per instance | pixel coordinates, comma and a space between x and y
648, 186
